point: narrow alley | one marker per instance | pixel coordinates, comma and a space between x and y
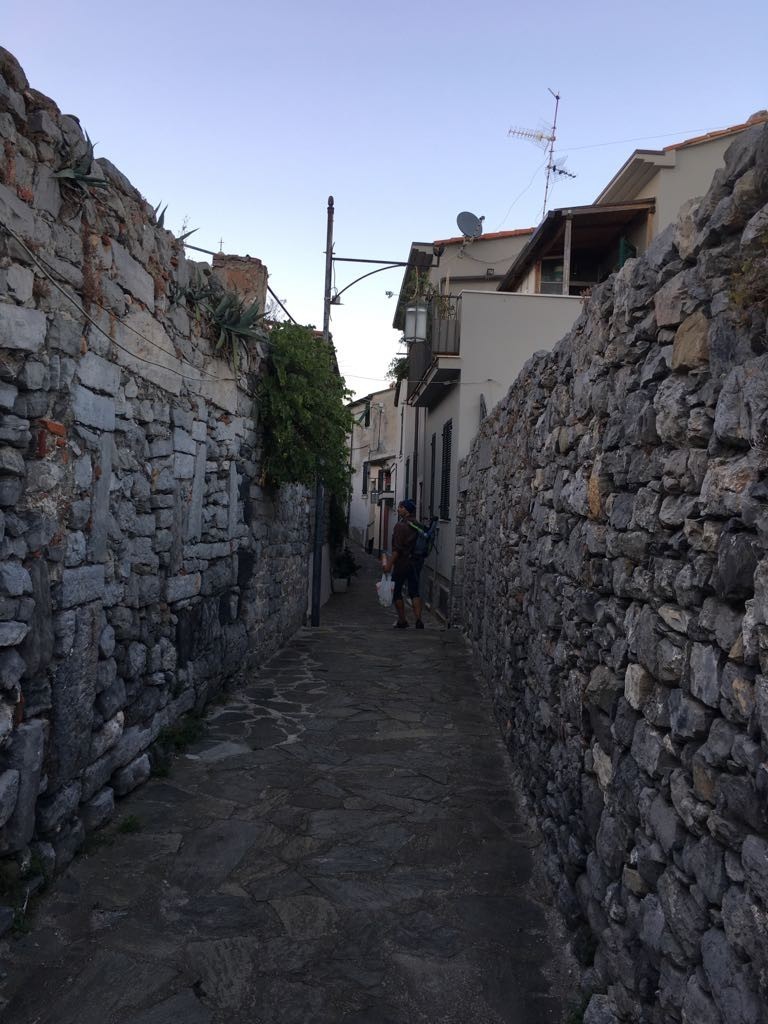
338, 845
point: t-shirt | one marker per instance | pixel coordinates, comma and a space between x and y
403, 542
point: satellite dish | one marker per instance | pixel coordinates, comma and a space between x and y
469, 225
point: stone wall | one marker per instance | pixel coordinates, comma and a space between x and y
142, 564
613, 581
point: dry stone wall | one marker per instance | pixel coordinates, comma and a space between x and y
613, 579
141, 563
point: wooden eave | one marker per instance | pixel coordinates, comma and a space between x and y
592, 228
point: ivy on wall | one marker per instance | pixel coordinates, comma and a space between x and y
301, 403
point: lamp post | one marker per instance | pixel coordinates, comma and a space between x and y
331, 298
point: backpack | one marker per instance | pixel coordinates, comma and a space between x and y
425, 540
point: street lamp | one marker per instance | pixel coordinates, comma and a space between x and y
416, 314
333, 298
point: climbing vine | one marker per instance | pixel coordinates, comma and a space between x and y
302, 408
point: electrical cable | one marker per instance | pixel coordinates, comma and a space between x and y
642, 138
444, 383
44, 268
533, 178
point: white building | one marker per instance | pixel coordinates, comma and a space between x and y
374, 444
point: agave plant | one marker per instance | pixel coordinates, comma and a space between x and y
236, 323
78, 171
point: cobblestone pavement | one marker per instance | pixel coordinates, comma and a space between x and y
339, 846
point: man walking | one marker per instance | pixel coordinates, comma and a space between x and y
403, 565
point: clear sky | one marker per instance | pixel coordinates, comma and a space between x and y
244, 117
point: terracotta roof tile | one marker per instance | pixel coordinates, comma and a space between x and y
491, 234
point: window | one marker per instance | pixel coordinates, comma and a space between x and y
407, 476
432, 464
445, 471
551, 276
365, 477
367, 421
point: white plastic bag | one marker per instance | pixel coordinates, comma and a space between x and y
385, 588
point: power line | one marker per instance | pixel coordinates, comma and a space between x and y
643, 138
44, 268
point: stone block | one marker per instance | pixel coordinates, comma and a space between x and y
666, 825
73, 695
98, 810
704, 674
649, 750
688, 718
79, 586
65, 335
54, 810
133, 775
67, 844
24, 754
18, 282
93, 410
184, 466
181, 588
132, 277
9, 791
733, 985
21, 329
12, 668
14, 579
14, 430
8, 395
106, 737
98, 374
690, 349
12, 633
184, 442
97, 775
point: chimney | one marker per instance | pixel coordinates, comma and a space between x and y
242, 274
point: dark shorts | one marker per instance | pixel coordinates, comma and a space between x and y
410, 579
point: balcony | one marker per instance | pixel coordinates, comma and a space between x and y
428, 371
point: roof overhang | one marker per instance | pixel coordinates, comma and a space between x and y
641, 166
593, 227
635, 174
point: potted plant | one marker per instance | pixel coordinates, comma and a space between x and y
344, 568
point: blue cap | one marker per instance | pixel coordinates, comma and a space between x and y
408, 505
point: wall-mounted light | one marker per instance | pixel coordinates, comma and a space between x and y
416, 321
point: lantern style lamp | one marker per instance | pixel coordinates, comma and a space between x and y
416, 321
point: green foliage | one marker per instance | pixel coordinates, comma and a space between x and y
182, 735
302, 407
160, 218
232, 323
236, 323
129, 825
77, 171
398, 368
344, 565
337, 522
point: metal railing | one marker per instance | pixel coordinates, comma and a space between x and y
444, 338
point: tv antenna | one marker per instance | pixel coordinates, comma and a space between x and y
546, 141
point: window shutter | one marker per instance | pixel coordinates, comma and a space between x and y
407, 476
445, 474
432, 467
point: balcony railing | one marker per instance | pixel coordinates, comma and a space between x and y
444, 338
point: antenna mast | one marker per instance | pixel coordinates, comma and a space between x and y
546, 140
